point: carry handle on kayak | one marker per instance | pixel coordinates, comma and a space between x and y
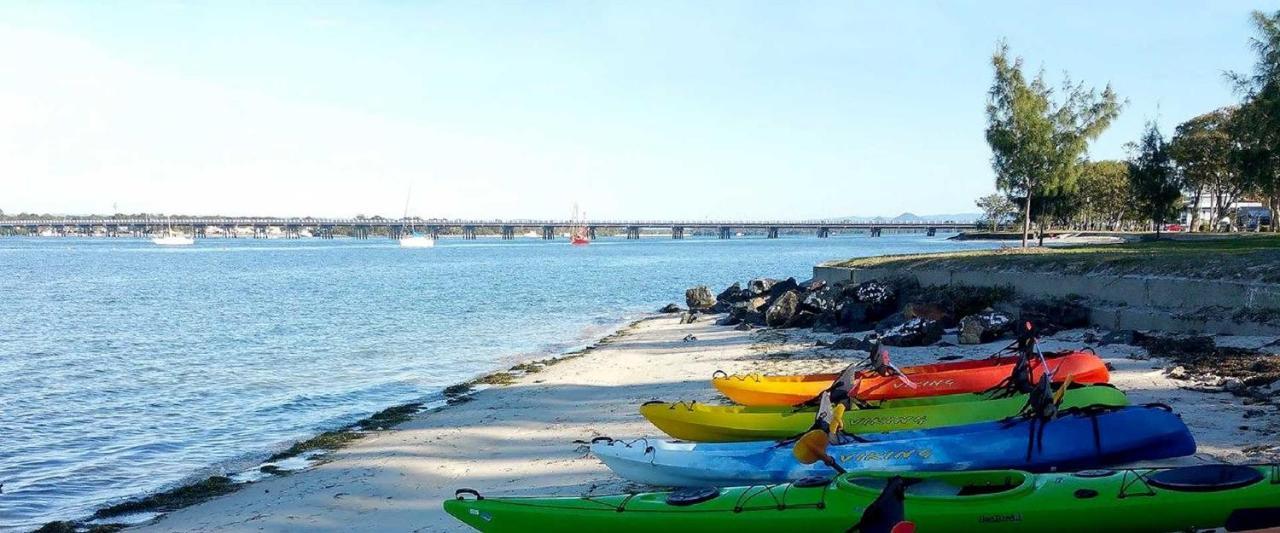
462, 492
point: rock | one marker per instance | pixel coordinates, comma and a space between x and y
811, 285
1177, 372
914, 332
880, 299
760, 286
1124, 336
803, 319
670, 308
852, 343
927, 311
821, 301
732, 294
743, 326
729, 320
754, 318
782, 309
826, 322
782, 287
1233, 384
1051, 316
852, 316
985, 327
821, 343
890, 322
699, 297
688, 318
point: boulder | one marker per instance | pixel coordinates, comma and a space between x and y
826, 322
985, 327
927, 311
880, 299
914, 332
803, 319
754, 318
890, 322
760, 286
699, 297
782, 309
731, 294
743, 327
821, 301
670, 308
852, 316
812, 284
852, 343
729, 320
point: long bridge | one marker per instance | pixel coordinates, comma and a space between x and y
362, 228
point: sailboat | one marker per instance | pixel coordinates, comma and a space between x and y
409, 236
172, 238
579, 235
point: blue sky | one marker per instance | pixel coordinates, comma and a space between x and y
518, 109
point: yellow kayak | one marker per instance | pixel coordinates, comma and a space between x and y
734, 423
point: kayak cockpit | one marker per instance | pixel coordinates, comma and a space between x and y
950, 485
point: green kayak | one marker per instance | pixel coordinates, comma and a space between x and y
734, 423
1135, 500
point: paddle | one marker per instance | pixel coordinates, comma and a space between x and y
812, 446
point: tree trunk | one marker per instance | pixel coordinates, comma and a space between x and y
1026, 217
1195, 209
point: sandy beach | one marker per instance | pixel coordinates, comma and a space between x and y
520, 438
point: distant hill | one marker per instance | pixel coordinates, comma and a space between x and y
912, 217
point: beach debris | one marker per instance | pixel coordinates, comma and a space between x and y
743, 326
688, 318
1177, 372
985, 327
670, 308
1124, 336
699, 297
689, 338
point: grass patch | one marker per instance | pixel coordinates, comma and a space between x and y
1250, 257
183, 496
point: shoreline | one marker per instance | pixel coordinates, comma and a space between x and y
312, 451
524, 438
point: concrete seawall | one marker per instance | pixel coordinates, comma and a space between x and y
1116, 302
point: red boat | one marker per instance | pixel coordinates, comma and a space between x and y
581, 234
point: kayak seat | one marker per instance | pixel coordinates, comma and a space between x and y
978, 490
1205, 478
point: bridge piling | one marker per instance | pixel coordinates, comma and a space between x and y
725, 232
677, 232
633, 233
508, 233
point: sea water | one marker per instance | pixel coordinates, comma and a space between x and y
126, 367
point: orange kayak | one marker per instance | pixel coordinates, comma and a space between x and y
925, 380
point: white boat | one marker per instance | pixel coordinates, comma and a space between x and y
417, 240
410, 237
173, 239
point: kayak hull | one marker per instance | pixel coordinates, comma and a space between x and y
929, 380
735, 423
1069, 442
996, 501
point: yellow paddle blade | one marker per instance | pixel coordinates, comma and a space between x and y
811, 448
1062, 391
837, 421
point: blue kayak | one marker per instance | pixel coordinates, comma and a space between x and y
1076, 439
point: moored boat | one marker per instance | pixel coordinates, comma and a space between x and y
1143, 500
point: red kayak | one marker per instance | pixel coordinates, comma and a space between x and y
953, 377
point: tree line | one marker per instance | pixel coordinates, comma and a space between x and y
1039, 137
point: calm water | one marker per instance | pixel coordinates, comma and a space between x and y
125, 368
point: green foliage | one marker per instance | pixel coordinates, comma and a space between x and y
1038, 142
1104, 192
1204, 149
1258, 126
995, 207
1157, 192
